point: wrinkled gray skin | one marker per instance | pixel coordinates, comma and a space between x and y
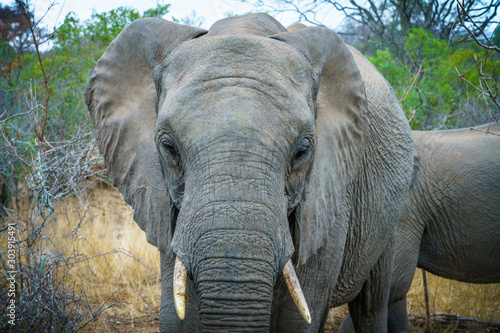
247, 145
451, 222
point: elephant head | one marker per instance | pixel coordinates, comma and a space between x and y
235, 147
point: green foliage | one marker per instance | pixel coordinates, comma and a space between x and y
69, 31
431, 66
76, 47
104, 27
158, 11
393, 69
54, 88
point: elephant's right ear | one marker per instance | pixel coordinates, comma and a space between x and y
342, 128
122, 100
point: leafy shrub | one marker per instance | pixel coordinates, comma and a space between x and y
429, 67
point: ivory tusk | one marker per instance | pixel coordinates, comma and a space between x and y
180, 276
292, 282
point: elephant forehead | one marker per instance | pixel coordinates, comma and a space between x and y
233, 86
264, 59
246, 73
234, 112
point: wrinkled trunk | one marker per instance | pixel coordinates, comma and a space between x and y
232, 235
234, 262
223, 311
234, 289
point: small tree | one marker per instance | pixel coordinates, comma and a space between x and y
481, 78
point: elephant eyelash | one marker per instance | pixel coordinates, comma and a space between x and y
303, 151
298, 157
168, 146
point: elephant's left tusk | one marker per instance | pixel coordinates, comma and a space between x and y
180, 276
292, 282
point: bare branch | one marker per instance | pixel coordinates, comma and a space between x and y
487, 132
19, 114
412, 83
463, 15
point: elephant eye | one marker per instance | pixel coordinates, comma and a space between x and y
168, 146
303, 151
300, 153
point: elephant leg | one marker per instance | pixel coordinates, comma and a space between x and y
317, 290
398, 316
397, 321
347, 325
406, 249
408, 237
401, 282
369, 308
169, 321
285, 316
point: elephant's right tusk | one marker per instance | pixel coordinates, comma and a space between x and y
180, 276
292, 282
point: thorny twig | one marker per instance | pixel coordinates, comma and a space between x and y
414, 79
40, 126
487, 132
487, 85
410, 88
462, 13
414, 112
18, 114
39, 131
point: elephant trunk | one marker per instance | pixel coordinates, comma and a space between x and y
232, 234
234, 277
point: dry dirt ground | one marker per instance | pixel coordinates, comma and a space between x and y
150, 324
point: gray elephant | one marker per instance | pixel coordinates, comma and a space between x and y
248, 150
451, 222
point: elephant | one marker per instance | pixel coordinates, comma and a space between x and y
269, 166
451, 222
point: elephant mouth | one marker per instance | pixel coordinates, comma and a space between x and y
181, 272
292, 282
293, 227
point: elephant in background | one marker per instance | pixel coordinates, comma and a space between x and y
451, 222
254, 158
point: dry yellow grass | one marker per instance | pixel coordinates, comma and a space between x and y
478, 301
123, 267
467, 300
127, 269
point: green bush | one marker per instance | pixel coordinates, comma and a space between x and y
431, 65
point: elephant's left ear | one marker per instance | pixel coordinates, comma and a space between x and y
122, 99
342, 136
